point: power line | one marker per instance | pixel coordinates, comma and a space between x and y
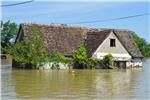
15, 4
110, 19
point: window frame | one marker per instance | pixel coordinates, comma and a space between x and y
112, 42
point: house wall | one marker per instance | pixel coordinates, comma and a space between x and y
118, 52
135, 62
53, 65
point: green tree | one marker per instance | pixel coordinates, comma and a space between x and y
30, 50
142, 44
146, 50
80, 57
8, 33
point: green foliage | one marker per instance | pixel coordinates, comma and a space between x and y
8, 33
146, 50
82, 60
142, 44
92, 63
58, 57
80, 57
80, 54
30, 50
108, 61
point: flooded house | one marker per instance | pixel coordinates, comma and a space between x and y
98, 41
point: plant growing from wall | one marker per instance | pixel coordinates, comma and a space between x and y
30, 50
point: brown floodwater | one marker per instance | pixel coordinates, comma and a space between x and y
100, 84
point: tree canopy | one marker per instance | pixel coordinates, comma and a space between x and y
30, 50
142, 44
8, 33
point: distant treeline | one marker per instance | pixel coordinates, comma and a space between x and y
10, 29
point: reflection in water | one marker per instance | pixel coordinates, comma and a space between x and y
53, 84
83, 84
117, 84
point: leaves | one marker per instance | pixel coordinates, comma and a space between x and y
30, 50
80, 54
8, 33
82, 60
142, 44
58, 57
108, 60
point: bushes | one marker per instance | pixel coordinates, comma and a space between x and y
81, 59
92, 63
29, 51
107, 61
56, 58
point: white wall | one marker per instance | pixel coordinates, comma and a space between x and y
118, 52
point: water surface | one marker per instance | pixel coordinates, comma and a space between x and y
81, 85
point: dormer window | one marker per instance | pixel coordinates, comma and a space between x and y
112, 43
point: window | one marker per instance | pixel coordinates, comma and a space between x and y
112, 43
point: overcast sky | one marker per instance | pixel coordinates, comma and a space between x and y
48, 11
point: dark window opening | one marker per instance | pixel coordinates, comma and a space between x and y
112, 43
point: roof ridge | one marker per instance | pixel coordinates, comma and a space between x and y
70, 26
57, 25
117, 29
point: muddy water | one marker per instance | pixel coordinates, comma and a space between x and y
78, 85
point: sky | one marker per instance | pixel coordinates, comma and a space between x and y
71, 13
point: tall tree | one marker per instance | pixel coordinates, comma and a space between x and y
8, 33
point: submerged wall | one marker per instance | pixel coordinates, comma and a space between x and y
134, 63
53, 65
